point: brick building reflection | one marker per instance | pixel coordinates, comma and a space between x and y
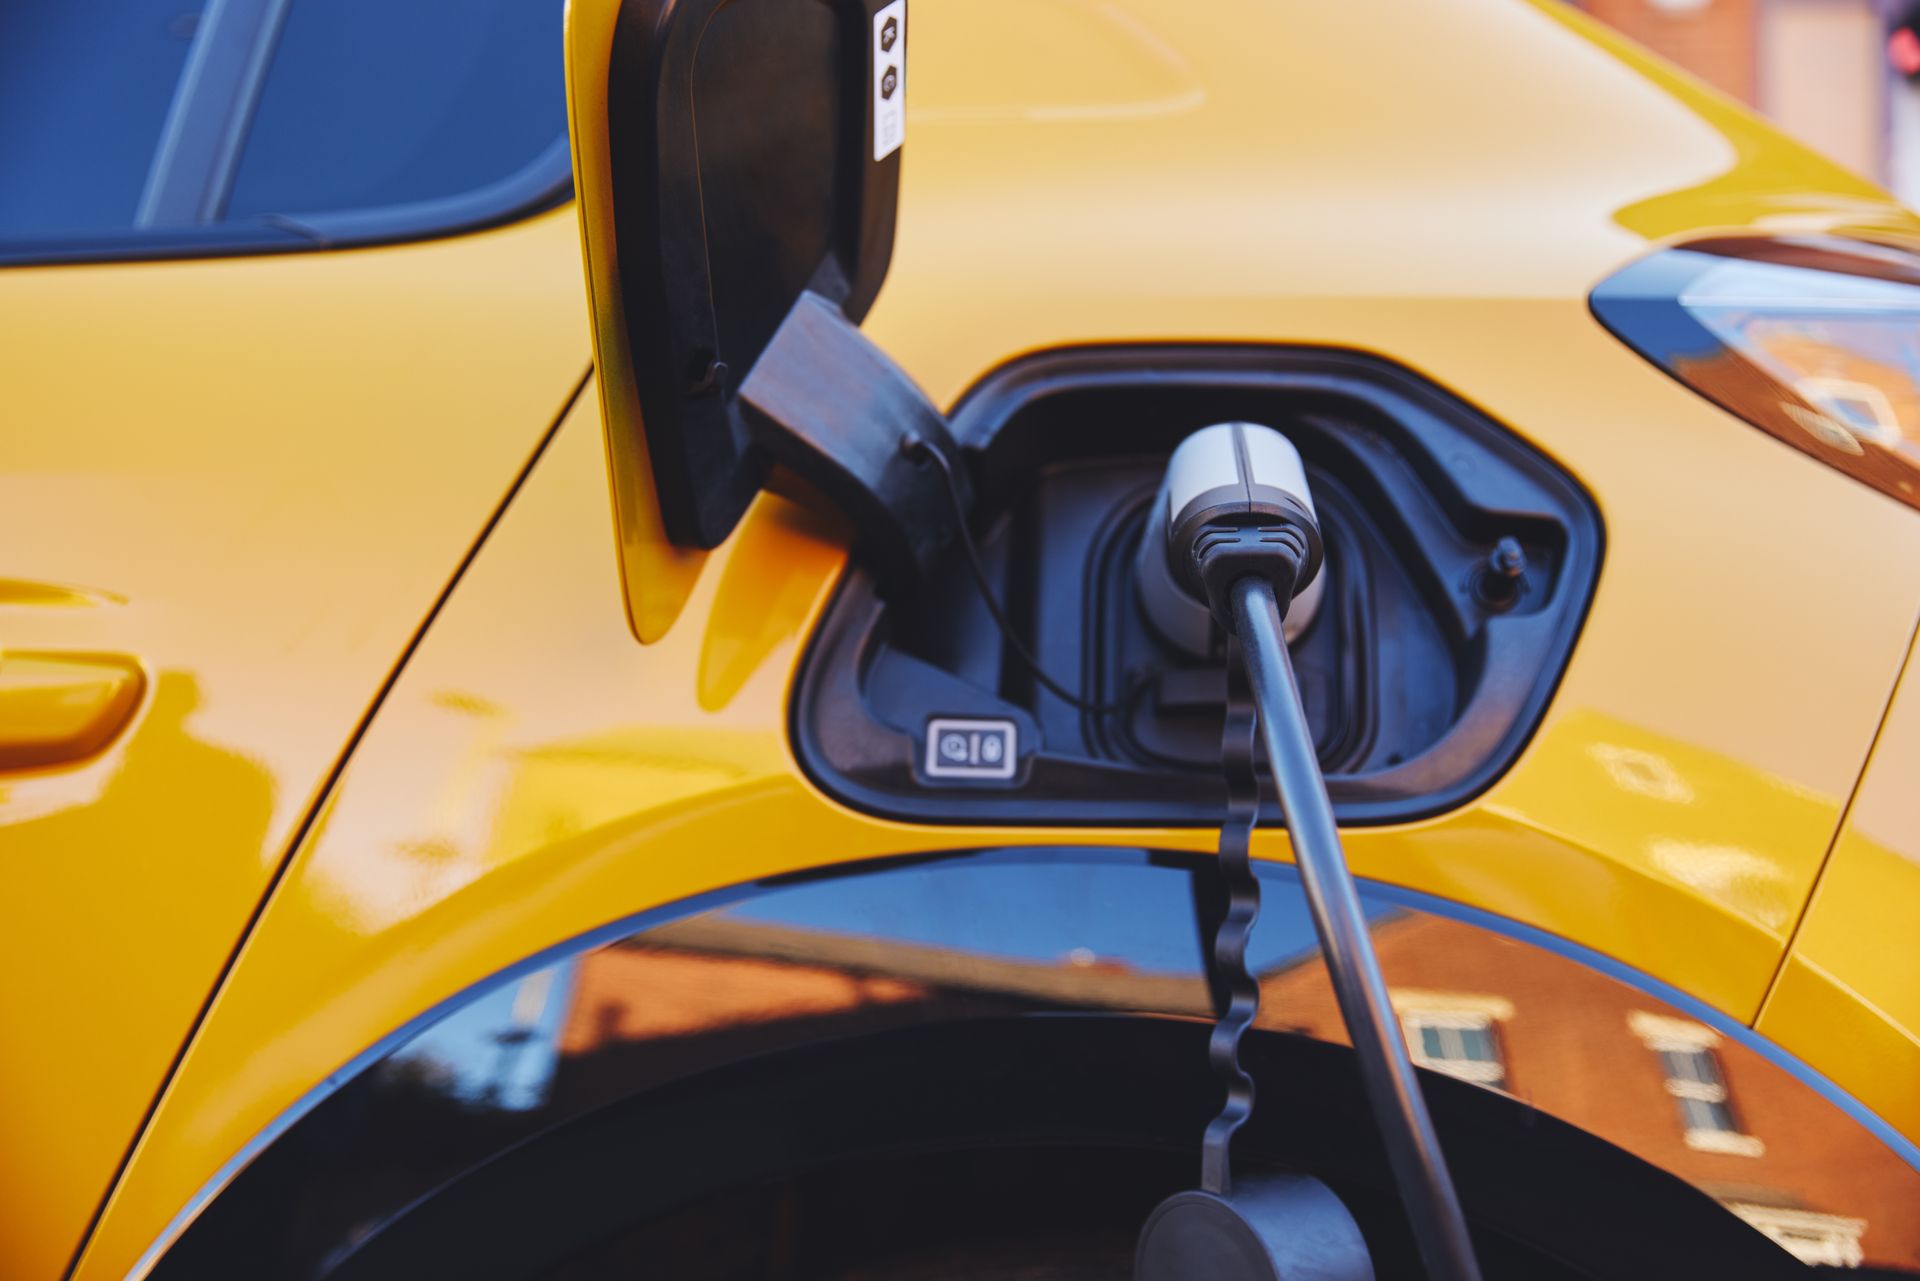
1622, 1065
1499, 1013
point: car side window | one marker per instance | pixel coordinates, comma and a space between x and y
156, 128
84, 91
372, 103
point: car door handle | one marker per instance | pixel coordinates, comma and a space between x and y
57, 709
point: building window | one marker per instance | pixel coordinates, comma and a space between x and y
1455, 1033
1694, 1080
1812, 1238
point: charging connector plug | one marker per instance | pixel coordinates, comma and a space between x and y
1242, 538
1235, 501
1283, 553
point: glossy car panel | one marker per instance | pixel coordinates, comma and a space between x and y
974, 939
1220, 173
252, 479
1850, 990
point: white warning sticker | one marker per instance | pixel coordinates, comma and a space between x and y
889, 79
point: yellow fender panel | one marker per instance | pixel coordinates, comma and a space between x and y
1848, 997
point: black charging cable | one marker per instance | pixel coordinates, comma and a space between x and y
1244, 560
1413, 1148
918, 450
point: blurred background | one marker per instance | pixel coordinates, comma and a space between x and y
1840, 75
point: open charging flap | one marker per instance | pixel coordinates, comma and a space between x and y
738, 165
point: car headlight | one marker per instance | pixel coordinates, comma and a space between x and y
1815, 341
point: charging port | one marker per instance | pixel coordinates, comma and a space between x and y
1422, 677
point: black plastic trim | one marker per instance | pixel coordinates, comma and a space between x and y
1106, 1085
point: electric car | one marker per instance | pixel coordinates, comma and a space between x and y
507, 768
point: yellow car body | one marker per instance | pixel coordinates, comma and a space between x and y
346, 514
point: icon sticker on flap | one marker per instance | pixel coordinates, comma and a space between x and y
889, 79
969, 748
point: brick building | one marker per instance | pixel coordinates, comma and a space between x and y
1818, 68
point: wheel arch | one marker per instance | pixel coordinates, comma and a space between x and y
916, 1007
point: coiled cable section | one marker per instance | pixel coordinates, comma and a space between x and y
1238, 989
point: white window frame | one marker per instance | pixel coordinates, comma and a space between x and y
1664, 1034
1458, 1011
1809, 1236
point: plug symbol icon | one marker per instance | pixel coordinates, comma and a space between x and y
889, 34
964, 747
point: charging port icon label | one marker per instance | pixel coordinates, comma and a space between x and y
970, 748
889, 79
